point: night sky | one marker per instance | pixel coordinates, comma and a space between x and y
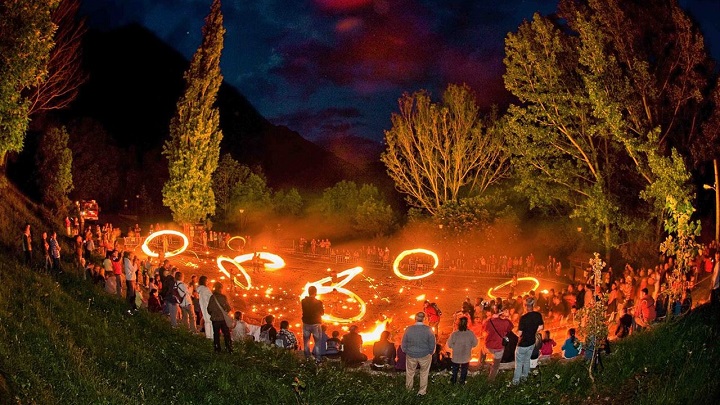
337, 67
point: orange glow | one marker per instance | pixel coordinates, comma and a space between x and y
420, 297
371, 337
275, 262
322, 288
232, 239
150, 253
497, 287
221, 259
405, 253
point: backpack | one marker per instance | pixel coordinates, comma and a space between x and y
282, 341
436, 308
176, 294
265, 336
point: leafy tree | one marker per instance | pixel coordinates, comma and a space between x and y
228, 174
252, 192
362, 208
374, 218
595, 88
26, 29
342, 198
193, 149
438, 152
288, 203
54, 167
594, 327
64, 67
96, 163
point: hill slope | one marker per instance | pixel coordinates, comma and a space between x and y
135, 82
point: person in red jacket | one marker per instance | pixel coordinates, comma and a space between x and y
496, 327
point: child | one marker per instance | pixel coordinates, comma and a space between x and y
547, 345
572, 346
241, 330
154, 304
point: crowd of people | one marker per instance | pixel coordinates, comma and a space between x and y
515, 330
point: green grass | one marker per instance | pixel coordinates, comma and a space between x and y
67, 342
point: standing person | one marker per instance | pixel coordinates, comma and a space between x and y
216, 308
204, 295
461, 342
432, 313
79, 252
27, 245
46, 252
312, 312
418, 344
496, 328
54, 248
715, 284
184, 297
117, 271
129, 268
168, 282
530, 324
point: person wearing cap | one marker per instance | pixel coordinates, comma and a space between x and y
530, 324
418, 344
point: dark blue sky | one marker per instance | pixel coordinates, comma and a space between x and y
334, 67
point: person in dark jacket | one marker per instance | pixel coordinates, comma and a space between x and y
217, 306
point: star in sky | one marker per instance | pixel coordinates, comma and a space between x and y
327, 68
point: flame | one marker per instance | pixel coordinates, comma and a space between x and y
276, 262
497, 287
221, 259
405, 253
232, 239
322, 288
150, 253
372, 337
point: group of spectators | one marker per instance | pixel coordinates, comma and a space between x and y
510, 329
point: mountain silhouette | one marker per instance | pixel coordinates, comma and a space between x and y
135, 81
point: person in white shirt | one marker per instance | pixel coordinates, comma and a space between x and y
205, 294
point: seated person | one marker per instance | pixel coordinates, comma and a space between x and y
286, 339
268, 333
384, 351
352, 342
401, 358
571, 348
154, 304
624, 324
241, 330
547, 345
332, 346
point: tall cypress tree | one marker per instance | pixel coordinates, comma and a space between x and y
193, 149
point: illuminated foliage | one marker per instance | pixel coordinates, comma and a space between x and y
54, 166
288, 203
64, 68
604, 90
436, 153
193, 149
363, 208
26, 29
228, 174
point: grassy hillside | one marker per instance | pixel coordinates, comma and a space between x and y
65, 342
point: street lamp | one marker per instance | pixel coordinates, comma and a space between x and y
242, 211
714, 187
